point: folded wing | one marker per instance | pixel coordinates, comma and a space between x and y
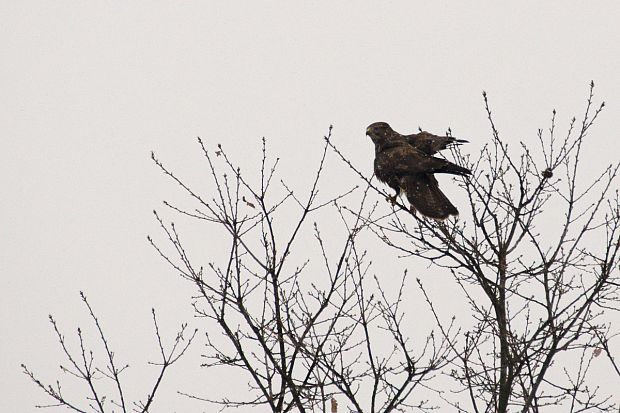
431, 144
405, 160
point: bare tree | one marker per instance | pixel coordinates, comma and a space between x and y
538, 264
84, 365
302, 331
535, 256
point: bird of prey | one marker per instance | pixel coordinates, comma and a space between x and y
405, 162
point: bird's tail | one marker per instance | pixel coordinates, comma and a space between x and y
425, 197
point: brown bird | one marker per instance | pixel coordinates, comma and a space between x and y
405, 162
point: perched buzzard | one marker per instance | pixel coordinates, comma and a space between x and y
405, 162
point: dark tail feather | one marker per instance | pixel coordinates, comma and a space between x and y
450, 142
425, 197
453, 169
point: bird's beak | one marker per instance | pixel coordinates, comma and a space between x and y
368, 131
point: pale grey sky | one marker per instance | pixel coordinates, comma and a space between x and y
90, 88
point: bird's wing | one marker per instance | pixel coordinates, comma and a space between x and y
431, 144
407, 160
424, 195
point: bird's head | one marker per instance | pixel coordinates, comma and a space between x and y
379, 131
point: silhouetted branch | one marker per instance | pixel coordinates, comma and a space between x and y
87, 371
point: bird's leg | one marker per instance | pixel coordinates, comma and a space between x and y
392, 199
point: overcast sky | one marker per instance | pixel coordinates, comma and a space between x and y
90, 88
